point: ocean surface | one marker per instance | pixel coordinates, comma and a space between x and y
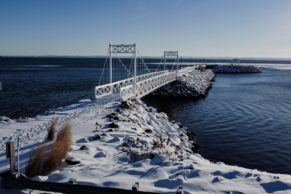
28, 90
245, 120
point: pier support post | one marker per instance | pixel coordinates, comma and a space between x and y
124, 49
176, 60
10, 153
110, 64
135, 69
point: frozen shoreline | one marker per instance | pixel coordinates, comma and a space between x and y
128, 142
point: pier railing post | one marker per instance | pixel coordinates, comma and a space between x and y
110, 64
164, 60
135, 64
178, 64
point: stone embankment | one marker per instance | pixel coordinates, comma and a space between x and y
195, 83
236, 69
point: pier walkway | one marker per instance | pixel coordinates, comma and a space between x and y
140, 79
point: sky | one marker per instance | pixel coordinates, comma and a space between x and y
197, 28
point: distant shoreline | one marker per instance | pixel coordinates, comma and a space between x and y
52, 60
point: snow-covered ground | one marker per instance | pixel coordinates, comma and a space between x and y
141, 146
120, 143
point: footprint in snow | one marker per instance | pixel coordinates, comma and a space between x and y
228, 175
186, 174
100, 154
272, 187
216, 179
82, 140
167, 183
113, 140
110, 184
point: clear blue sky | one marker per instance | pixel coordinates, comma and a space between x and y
218, 28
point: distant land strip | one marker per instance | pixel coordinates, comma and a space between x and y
53, 60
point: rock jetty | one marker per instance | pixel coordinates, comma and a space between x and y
236, 69
195, 83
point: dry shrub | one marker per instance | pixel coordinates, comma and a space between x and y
51, 131
34, 166
42, 162
59, 149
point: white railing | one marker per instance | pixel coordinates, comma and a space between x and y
145, 84
185, 70
107, 89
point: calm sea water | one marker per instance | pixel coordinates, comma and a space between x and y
245, 120
28, 90
31, 89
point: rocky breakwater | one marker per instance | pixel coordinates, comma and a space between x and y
151, 133
194, 83
236, 69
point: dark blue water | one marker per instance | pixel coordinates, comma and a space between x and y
32, 88
245, 120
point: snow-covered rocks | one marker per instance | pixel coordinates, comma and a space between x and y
161, 161
236, 69
5, 120
118, 144
154, 133
195, 83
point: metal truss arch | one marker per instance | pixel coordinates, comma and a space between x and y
139, 86
122, 48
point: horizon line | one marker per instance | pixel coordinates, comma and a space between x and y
147, 56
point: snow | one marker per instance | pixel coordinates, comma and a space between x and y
195, 83
127, 153
120, 143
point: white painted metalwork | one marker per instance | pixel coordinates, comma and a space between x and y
110, 63
172, 54
134, 76
123, 49
107, 89
139, 86
147, 86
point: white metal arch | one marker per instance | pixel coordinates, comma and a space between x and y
138, 86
